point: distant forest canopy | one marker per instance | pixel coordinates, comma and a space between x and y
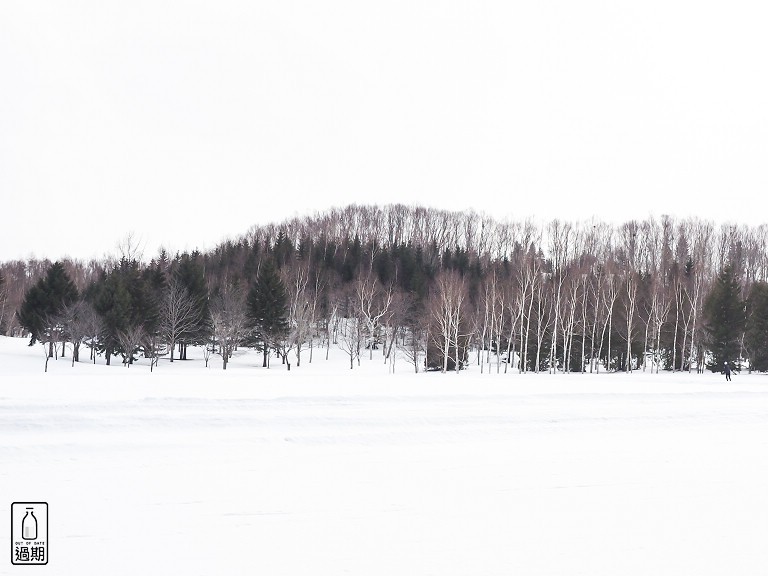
441, 289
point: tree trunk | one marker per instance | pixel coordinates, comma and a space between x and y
610, 330
645, 344
674, 338
592, 338
693, 328
656, 356
524, 346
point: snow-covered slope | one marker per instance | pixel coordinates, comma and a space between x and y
326, 470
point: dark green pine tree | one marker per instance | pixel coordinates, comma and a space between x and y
33, 309
283, 249
123, 299
45, 300
112, 301
756, 331
189, 271
724, 319
155, 283
268, 309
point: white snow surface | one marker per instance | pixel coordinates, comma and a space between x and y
326, 470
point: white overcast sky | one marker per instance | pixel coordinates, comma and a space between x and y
188, 121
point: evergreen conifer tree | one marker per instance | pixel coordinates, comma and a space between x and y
123, 299
46, 299
267, 309
112, 302
724, 319
189, 272
756, 331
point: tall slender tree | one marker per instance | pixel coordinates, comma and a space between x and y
267, 310
190, 273
724, 319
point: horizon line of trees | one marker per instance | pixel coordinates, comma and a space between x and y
439, 289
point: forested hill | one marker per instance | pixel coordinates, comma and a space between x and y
555, 295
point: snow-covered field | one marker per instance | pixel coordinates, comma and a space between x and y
324, 470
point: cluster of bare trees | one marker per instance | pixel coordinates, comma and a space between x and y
576, 297
565, 309
488, 238
228, 323
429, 286
20, 275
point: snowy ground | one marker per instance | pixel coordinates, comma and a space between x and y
324, 470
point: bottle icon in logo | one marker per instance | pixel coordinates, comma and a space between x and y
29, 525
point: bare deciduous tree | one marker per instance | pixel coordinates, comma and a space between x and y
81, 322
350, 338
374, 301
179, 315
400, 308
447, 313
51, 335
560, 238
229, 322
130, 341
300, 311
414, 339
209, 348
